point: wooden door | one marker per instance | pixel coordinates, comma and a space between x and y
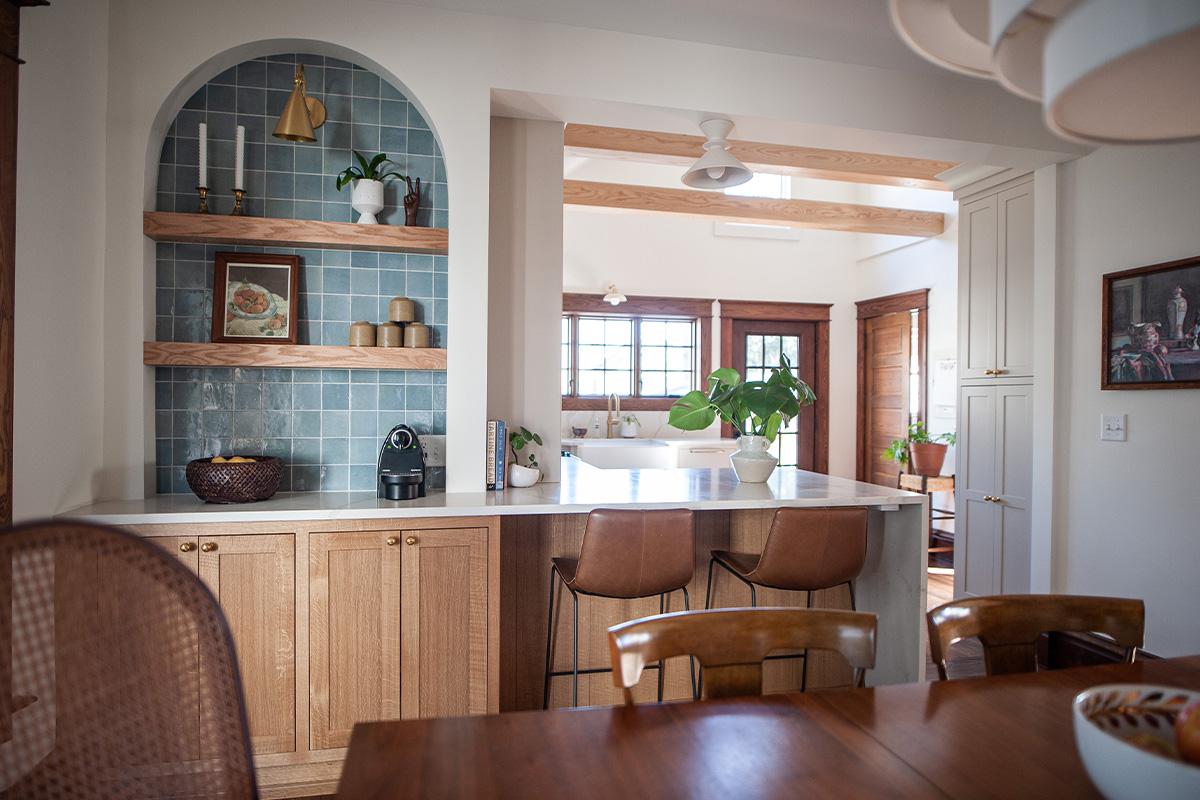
757, 345
254, 579
444, 622
354, 632
885, 359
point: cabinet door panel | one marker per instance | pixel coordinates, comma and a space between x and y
354, 632
977, 287
1014, 484
1014, 282
254, 578
444, 635
975, 547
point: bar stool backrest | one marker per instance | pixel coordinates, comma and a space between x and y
1009, 625
636, 553
731, 643
813, 548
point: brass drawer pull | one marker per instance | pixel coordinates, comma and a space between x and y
392, 541
411, 540
208, 547
187, 547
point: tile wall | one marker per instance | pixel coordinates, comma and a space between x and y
326, 425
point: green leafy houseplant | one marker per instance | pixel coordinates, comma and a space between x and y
366, 170
630, 419
901, 450
518, 439
758, 408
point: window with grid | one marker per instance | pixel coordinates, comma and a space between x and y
654, 352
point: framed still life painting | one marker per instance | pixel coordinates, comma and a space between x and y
255, 297
1152, 327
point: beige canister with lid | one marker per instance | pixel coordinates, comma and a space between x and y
416, 335
401, 309
362, 334
387, 335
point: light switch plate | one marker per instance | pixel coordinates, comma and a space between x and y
434, 448
1112, 427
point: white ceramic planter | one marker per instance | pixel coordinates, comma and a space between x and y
366, 197
520, 477
628, 431
752, 462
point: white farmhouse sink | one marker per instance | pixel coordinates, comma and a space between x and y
652, 453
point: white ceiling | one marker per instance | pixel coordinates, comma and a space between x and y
848, 31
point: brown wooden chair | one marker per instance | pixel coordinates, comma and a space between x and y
1008, 626
626, 554
732, 643
807, 549
117, 672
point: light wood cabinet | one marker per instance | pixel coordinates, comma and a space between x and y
253, 578
995, 279
993, 487
398, 627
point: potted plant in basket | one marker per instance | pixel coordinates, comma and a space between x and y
756, 409
518, 475
366, 195
925, 452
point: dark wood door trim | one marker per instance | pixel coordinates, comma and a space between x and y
879, 306
786, 312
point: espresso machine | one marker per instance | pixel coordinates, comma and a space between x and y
401, 473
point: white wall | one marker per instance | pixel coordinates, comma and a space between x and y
1127, 514
59, 362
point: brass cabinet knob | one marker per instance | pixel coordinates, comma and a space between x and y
187, 547
208, 547
411, 540
392, 541
996, 500
988, 497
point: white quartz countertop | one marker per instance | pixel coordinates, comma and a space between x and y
581, 489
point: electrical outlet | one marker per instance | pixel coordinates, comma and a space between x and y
434, 448
1112, 427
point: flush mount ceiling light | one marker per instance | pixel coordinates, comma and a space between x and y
614, 297
716, 169
1105, 71
302, 114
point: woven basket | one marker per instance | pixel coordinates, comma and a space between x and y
240, 482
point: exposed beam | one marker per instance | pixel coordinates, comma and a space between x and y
754, 210
593, 141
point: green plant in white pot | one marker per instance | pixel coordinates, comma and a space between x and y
518, 475
756, 409
366, 195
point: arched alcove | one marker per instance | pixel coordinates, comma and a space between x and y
326, 424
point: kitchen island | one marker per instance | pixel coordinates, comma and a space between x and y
345, 607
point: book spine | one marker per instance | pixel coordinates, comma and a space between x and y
501, 454
491, 454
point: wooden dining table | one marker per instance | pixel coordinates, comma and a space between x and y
999, 737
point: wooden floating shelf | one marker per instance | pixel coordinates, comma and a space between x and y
167, 226
290, 356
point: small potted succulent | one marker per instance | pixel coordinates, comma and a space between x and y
629, 426
366, 195
922, 451
520, 476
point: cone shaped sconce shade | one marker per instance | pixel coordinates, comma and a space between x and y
716, 169
302, 114
613, 296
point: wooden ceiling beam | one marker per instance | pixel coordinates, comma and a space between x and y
594, 141
754, 210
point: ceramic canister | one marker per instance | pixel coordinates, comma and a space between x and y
416, 335
401, 309
362, 334
387, 335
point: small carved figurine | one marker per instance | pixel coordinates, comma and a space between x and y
412, 201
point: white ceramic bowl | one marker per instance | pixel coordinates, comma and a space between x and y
1105, 715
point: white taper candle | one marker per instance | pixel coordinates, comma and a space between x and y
239, 158
203, 154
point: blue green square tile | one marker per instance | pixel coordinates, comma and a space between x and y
335, 423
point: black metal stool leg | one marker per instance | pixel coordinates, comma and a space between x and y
687, 606
549, 633
850, 586
804, 655
662, 609
708, 589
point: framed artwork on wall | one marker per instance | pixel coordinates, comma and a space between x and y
255, 297
1151, 319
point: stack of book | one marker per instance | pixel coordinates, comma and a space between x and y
497, 442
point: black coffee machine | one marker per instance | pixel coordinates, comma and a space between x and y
401, 466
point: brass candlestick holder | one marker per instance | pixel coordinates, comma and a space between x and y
203, 209
237, 207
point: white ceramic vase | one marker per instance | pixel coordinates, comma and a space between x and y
628, 430
520, 477
752, 462
366, 197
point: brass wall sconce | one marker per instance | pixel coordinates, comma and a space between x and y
302, 114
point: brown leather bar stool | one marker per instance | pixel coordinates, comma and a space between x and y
807, 549
625, 554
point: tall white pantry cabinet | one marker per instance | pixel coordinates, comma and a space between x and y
995, 350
